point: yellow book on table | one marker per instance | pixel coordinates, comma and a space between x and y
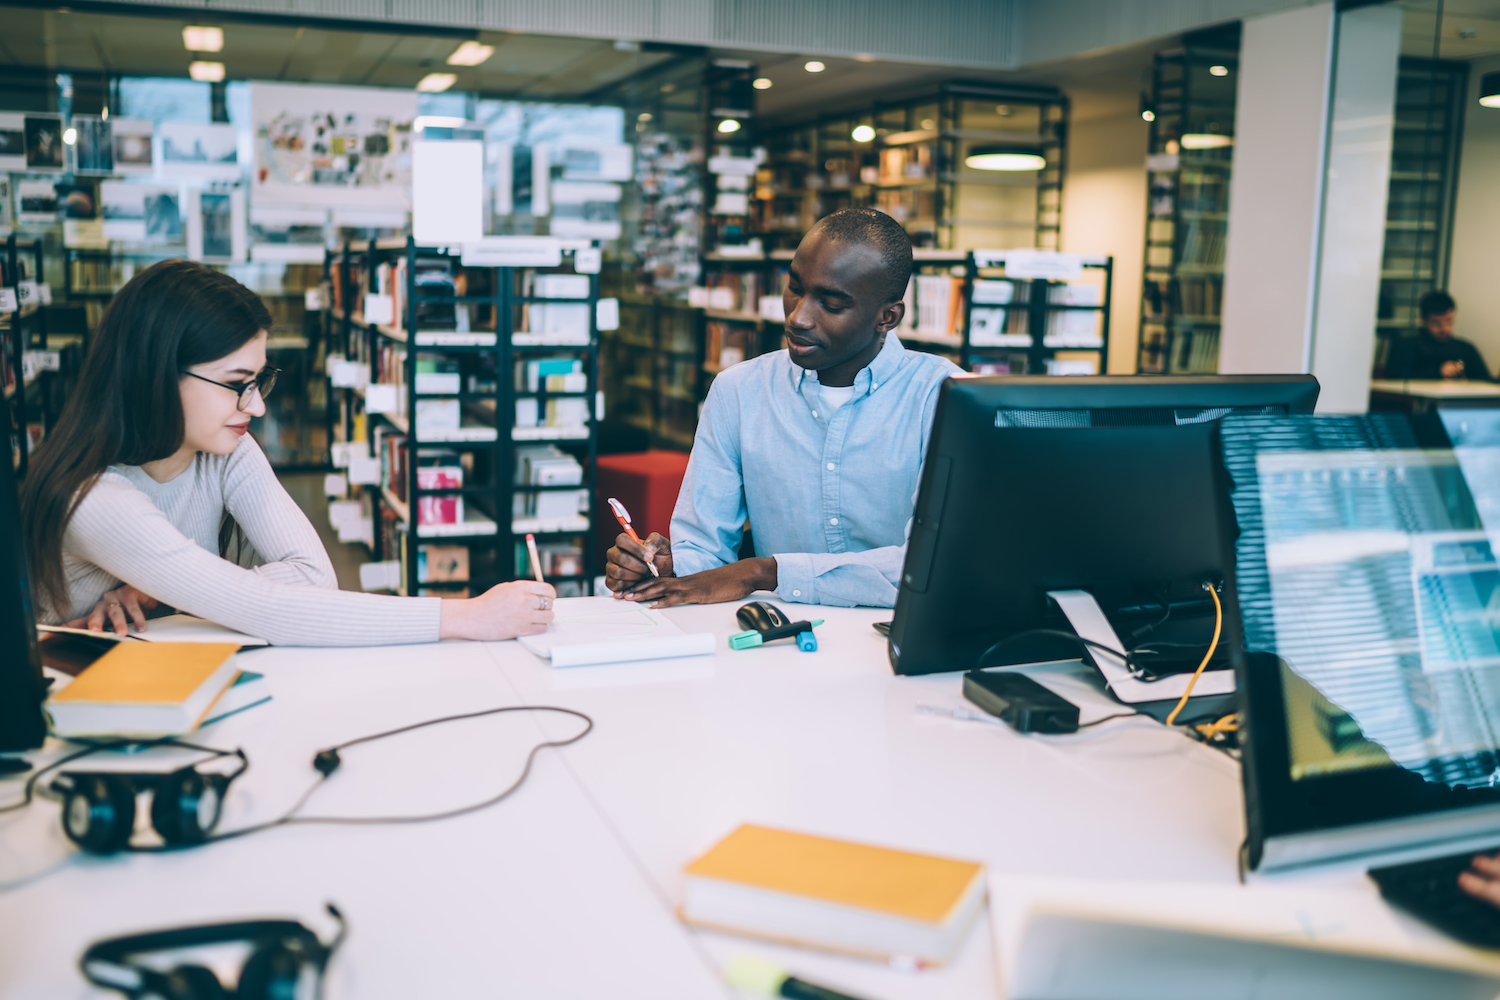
145, 689
834, 894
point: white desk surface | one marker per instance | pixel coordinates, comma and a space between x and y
569, 888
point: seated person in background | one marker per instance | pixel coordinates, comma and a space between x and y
1433, 352
133, 496
819, 445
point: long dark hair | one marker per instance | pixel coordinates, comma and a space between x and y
127, 406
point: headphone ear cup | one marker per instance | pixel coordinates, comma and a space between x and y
272, 972
98, 812
185, 806
192, 982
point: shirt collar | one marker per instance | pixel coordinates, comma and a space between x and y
872, 376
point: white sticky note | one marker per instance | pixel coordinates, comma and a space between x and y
607, 314
447, 192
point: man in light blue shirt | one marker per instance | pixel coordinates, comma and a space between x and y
820, 446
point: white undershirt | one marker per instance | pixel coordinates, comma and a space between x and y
834, 396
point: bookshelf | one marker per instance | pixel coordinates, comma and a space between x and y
911, 164
1192, 101
1424, 181
26, 364
1023, 317
475, 421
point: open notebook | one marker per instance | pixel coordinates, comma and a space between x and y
590, 630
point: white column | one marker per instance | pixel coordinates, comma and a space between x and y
1354, 204
1275, 193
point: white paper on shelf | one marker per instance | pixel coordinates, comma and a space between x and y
592, 630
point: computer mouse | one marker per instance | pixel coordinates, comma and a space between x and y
761, 616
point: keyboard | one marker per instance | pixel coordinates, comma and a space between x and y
1429, 891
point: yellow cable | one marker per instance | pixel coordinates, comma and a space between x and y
1218, 625
1228, 724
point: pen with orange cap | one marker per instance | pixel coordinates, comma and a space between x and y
623, 516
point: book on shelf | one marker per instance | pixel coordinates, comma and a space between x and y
442, 564
559, 558
938, 301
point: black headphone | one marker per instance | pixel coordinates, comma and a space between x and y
98, 812
283, 953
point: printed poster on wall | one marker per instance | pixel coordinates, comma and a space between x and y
5, 207
141, 213
216, 225
132, 145
331, 147
209, 151
12, 142
44, 142
93, 149
38, 202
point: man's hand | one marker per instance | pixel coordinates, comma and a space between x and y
625, 564
112, 609
1452, 369
1483, 879
727, 583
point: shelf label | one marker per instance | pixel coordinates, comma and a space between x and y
380, 309
587, 260
1047, 264
607, 314
7, 300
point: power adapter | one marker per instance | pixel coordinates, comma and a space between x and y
1022, 703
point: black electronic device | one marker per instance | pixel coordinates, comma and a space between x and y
884, 628
1105, 484
1024, 704
1368, 584
769, 620
23, 726
1429, 891
286, 961
99, 808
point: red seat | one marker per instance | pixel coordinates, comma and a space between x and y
647, 483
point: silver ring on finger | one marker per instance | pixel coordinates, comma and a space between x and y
113, 604
546, 603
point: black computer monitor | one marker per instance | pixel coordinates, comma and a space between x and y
22, 688
1106, 484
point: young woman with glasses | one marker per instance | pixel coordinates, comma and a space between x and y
133, 497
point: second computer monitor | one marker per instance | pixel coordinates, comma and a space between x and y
1105, 484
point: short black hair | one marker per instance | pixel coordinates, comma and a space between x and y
875, 229
1435, 303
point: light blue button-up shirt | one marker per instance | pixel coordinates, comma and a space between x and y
830, 495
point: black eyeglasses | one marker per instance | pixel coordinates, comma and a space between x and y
262, 383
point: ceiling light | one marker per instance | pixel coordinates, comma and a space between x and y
762, 83
1489, 90
644, 116
1148, 116
203, 39
862, 133
436, 83
470, 53
70, 136
206, 72
729, 125
1218, 70
1206, 140
437, 121
813, 66
1010, 158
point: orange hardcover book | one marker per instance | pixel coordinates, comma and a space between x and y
145, 689
834, 894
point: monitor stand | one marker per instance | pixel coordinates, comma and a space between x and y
1152, 697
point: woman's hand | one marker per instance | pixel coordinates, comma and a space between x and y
113, 607
521, 607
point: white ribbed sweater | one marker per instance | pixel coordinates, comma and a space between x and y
163, 539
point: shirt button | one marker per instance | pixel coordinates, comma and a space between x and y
833, 520
815, 413
796, 593
830, 466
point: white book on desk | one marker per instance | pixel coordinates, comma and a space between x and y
593, 630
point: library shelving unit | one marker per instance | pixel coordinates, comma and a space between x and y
1192, 104
473, 386
651, 369
1017, 323
24, 362
910, 160
1424, 181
